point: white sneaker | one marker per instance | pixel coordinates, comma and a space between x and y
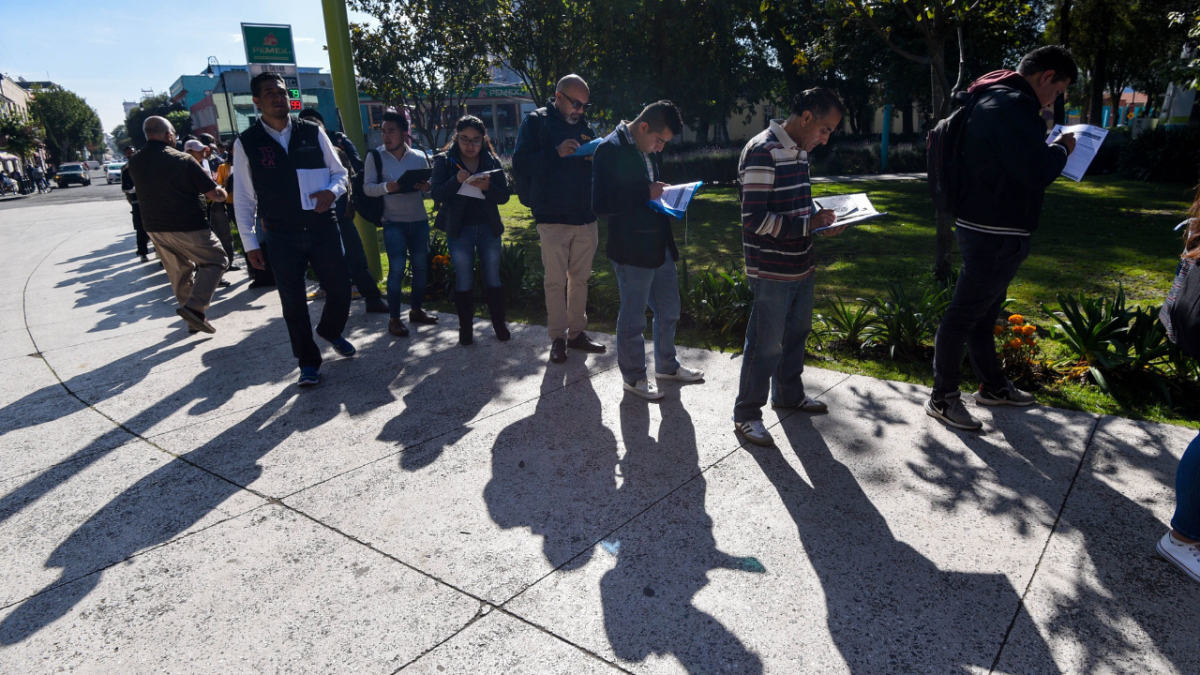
1184, 556
755, 432
684, 374
644, 388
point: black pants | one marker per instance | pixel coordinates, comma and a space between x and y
356, 259
292, 251
218, 222
143, 240
989, 263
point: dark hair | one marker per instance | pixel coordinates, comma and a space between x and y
819, 101
1191, 236
468, 122
1051, 57
662, 115
257, 81
206, 139
397, 118
311, 113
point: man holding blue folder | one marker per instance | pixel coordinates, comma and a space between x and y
641, 246
553, 177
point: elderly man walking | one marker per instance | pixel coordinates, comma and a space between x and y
171, 187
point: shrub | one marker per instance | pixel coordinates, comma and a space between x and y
848, 324
1087, 330
710, 164
906, 323
720, 300
1164, 155
1019, 351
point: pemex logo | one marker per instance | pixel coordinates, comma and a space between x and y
270, 40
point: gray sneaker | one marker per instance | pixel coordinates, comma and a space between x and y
755, 432
952, 411
1010, 395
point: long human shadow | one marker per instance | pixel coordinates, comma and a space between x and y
889, 609
1125, 585
452, 391
553, 471
648, 596
161, 506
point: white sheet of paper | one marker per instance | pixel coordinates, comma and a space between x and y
849, 209
677, 197
1088, 140
468, 190
311, 180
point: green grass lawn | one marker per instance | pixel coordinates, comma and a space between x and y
1093, 236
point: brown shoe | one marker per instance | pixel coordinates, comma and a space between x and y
396, 327
419, 316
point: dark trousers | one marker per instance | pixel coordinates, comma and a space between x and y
218, 222
356, 260
143, 239
292, 251
989, 264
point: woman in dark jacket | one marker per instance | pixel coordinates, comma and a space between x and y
472, 224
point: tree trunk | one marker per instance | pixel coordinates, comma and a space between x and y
1099, 75
944, 239
906, 116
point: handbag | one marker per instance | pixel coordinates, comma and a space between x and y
1180, 314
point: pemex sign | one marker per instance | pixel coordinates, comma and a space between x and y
268, 43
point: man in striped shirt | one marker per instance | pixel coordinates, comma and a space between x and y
778, 224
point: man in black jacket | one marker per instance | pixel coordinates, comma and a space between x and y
559, 193
1007, 166
143, 240
641, 247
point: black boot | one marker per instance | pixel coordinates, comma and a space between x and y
464, 303
495, 301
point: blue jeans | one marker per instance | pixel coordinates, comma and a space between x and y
470, 239
641, 287
773, 360
989, 263
404, 242
1187, 493
292, 251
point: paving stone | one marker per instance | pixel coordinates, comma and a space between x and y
1103, 598
37, 435
270, 591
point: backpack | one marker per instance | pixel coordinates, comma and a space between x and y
370, 208
1180, 313
944, 145
522, 181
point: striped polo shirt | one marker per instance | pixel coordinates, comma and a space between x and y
776, 206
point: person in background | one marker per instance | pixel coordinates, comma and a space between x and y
39, 178
1181, 545
339, 140
218, 219
778, 223
143, 241
356, 256
405, 222
298, 217
470, 185
641, 246
560, 197
1006, 167
171, 187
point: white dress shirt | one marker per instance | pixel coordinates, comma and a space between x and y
245, 201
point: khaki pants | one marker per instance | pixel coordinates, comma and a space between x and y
194, 261
567, 253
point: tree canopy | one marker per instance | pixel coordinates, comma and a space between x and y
69, 123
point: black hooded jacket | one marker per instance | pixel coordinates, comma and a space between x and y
559, 187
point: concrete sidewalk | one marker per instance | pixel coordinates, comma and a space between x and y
175, 504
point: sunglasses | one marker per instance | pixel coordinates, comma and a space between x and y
576, 104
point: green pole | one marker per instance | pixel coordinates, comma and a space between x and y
345, 93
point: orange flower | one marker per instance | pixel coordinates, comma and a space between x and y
1016, 319
998, 330
1031, 328
1015, 343
1031, 342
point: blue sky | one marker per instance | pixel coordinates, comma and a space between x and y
107, 52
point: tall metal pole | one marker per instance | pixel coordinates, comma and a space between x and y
345, 93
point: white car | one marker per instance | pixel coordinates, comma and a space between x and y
113, 173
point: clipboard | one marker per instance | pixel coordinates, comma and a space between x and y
411, 177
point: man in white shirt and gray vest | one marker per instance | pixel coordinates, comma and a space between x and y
294, 179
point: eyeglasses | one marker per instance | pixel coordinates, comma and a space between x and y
474, 142
576, 104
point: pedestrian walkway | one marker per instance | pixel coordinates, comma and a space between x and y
863, 178
175, 504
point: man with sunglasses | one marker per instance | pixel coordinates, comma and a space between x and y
557, 186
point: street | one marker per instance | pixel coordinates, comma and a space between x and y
98, 191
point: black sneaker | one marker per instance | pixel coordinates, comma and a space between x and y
586, 344
1010, 395
952, 411
558, 350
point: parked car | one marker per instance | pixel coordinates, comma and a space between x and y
72, 173
113, 173
92, 164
